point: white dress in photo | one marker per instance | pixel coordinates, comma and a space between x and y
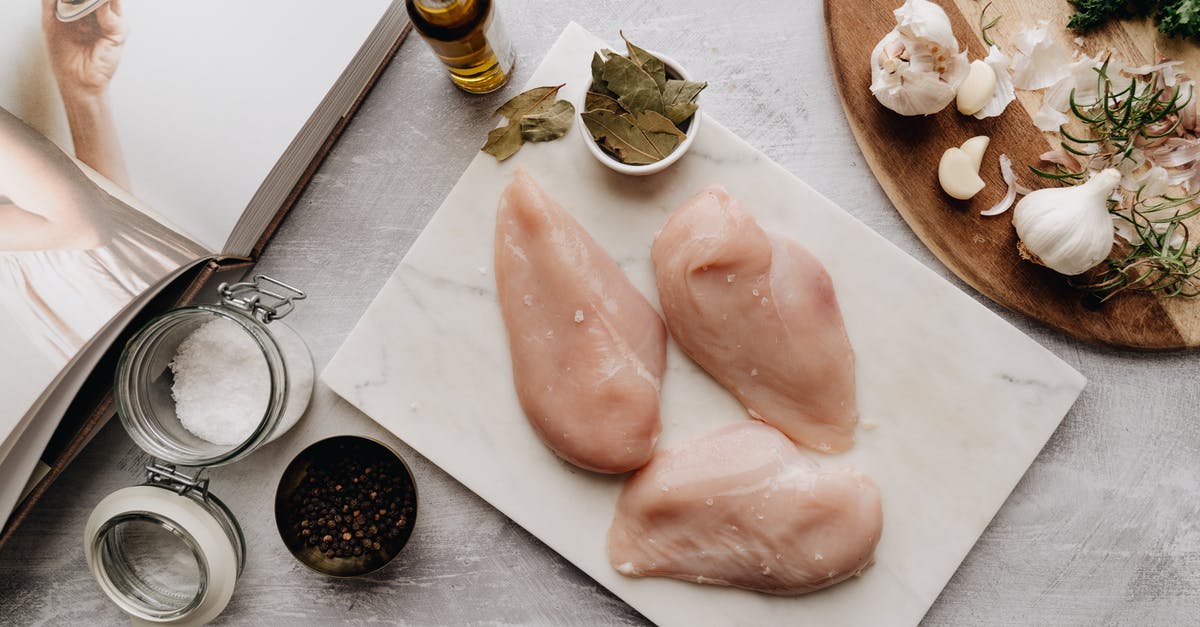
61, 298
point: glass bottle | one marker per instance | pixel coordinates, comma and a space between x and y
467, 36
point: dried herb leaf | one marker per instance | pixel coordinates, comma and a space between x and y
535, 100
648, 62
594, 101
661, 132
635, 89
636, 139
679, 99
598, 84
549, 125
504, 141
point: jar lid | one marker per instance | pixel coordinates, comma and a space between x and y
164, 556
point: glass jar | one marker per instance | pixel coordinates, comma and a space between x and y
145, 393
168, 551
468, 38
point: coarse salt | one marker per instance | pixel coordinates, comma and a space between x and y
222, 383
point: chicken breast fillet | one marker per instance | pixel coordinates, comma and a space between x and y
742, 506
588, 350
759, 313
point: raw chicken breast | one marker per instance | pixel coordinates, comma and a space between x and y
588, 350
758, 312
742, 506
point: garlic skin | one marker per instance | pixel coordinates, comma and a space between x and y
916, 69
1068, 229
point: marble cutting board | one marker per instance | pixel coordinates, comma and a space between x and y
956, 403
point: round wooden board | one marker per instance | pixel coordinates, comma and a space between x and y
903, 152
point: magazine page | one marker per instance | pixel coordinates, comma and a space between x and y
190, 104
72, 257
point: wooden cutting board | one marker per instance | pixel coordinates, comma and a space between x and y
903, 152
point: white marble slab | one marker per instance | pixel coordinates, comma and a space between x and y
956, 403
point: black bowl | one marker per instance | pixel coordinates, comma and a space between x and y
301, 477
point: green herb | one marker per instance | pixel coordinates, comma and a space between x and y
1113, 126
1176, 18
1153, 264
1117, 121
985, 27
634, 109
533, 116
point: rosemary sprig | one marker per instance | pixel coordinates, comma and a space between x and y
1118, 120
985, 27
1153, 264
1114, 125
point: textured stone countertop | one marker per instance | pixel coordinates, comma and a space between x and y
1103, 529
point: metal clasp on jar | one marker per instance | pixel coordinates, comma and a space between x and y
261, 297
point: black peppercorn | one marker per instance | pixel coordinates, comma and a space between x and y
347, 508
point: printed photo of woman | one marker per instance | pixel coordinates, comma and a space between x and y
71, 255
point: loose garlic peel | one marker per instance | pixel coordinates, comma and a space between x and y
976, 89
958, 171
1068, 229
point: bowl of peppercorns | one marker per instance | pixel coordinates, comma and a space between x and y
346, 505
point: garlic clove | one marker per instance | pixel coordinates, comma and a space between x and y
976, 89
1003, 93
975, 147
1068, 229
958, 174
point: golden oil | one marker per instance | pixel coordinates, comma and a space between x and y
466, 35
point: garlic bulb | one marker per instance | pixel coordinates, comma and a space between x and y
916, 69
1068, 229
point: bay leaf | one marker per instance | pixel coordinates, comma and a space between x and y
594, 101
634, 138
535, 100
504, 141
648, 62
660, 131
550, 124
635, 89
679, 99
679, 113
598, 84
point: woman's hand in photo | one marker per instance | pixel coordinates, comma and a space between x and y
84, 54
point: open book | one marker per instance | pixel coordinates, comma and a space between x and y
138, 139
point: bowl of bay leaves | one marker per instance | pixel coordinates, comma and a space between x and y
641, 111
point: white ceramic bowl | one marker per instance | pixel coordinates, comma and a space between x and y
677, 70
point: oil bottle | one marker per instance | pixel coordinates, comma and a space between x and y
466, 35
